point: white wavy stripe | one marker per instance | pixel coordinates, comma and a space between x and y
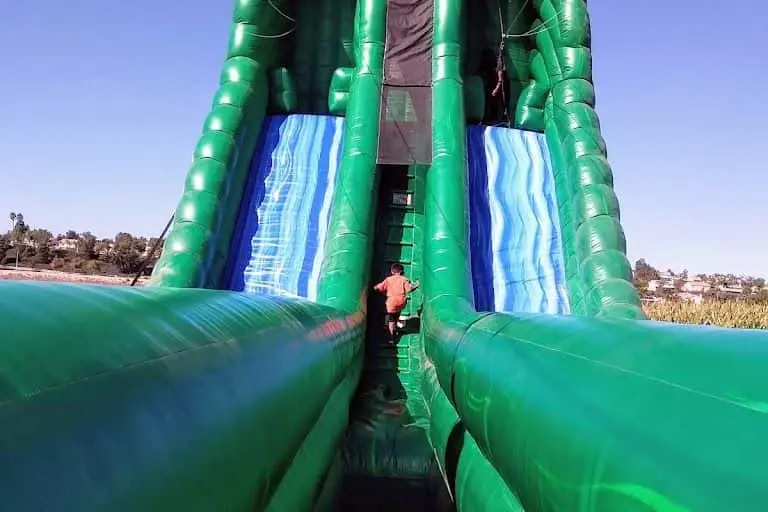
508, 194
255, 271
508, 236
312, 165
540, 210
333, 166
546, 262
550, 246
295, 232
278, 204
505, 190
264, 272
305, 173
525, 278
559, 281
497, 217
557, 249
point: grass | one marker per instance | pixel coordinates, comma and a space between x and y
724, 314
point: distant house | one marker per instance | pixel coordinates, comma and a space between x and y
656, 285
730, 289
66, 244
696, 285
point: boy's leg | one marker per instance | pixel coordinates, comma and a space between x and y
396, 318
390, 319
394, 308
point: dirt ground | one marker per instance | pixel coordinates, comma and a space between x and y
23, 274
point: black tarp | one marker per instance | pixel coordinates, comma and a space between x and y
405, 120
408, 49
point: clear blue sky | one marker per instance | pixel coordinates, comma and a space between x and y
102, 104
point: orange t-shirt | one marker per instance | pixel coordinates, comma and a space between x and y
396, 287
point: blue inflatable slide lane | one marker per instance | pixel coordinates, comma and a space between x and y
285, 209
516, 246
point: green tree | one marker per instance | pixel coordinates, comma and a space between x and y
644, 273
140, 244
71, 234
19, 228
5, 245
125, 254
40, 237
19, 231
43, 255
41, 241
159, 250
86, 246
103, 249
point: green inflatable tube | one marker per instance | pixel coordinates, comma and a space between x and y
448, 308
162, 399
301, 486
603, 410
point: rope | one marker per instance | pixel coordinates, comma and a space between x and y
281, 13
532, 32
277, 36
500, 71
519, 13
504, 35
152, 251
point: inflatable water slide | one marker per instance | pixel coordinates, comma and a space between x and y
460, 140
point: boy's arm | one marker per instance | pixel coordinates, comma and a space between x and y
381, 287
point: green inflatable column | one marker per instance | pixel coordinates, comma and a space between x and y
448, 297
529, 114
344, 276
196, 248
593, 226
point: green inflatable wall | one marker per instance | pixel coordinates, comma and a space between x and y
183, 396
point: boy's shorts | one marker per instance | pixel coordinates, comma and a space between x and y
391, 317
394, 306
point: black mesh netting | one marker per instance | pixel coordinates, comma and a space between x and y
405, 125
405, 120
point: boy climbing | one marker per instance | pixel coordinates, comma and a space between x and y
397, 287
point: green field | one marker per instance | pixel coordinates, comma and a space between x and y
726, 314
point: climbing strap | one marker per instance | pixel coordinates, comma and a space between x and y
152, 251
500, 70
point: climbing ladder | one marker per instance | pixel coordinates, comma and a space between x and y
397, 233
